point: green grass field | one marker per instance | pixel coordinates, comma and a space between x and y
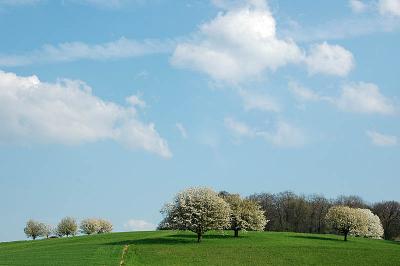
180, 248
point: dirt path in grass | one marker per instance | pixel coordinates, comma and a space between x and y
124, 252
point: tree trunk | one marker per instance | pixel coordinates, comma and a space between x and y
34, 237
198, 237
345, 236
236, 232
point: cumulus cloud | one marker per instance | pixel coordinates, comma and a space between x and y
67, 112
389, 7
364, 98
282, 134
258, 101
382, 140
329, 59
139, 225
72, 51
181, 130
238, 44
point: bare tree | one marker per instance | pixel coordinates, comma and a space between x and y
389, 213
351, 201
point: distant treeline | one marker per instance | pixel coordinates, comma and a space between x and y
287, 211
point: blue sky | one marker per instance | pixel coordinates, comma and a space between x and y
108, 108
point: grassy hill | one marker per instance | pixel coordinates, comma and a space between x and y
180, 248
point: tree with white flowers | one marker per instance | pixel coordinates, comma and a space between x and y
89, 226
67, 227
373, 227
198, 210
345, 220
354, 221
48, 230
104, 226
245, 214
34, 229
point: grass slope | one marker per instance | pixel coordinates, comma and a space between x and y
180, 248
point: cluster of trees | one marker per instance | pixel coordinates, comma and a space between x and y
288, 211
66, 227
202, 209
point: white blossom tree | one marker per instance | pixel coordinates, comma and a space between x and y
104, 226
34, 229
67, 227
373, 226
198, 210
354, 221
89, 226
345, 220
48, 230
245, 214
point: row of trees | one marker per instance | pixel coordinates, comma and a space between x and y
66, 227
287, 211
202, 209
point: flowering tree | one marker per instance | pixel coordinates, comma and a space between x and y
33, 229
245, 214
373, 226
47, 230
345, 220
67, 227
89, 226
104, 226
355, 221
197, 210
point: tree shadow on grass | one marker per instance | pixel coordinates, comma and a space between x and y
176, 239
193, 236
152, 241
317, 238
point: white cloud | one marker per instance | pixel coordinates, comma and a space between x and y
67, 112
342, 28
382, 140
72, 51
358, 6
389, 7
139, 225
303, 94
239, 129
258, 101
182, 130
234, 4
355, 97
329, 59
364, 98
283, 134
238, 44
135, 100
